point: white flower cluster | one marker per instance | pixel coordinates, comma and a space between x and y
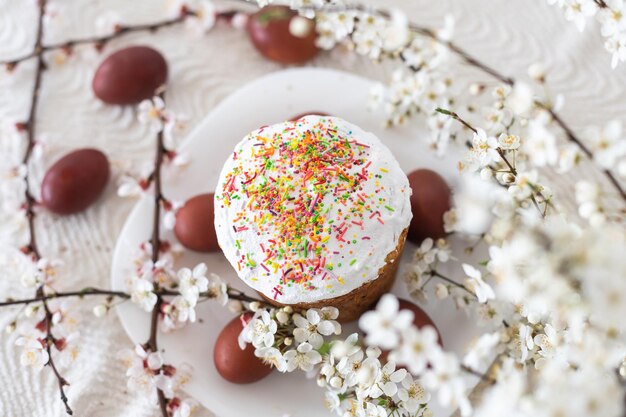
611, 14
147, 372
290, 340
136, 180
187, 285
418, 349
360, 380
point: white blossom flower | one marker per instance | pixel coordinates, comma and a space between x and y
388, 380
304, 357
412, 394
578, 11
509, 142
589, 205
311, 328
129, 186
525, 342
151, 113
482, 350
192, 283
477, 285
416, 349
259, 331
217, 289
272, 356
33, 354
142, 294
521, 99
444, 378
441, 291
396, 34
384, 325
607, 144
204, 17
484, 149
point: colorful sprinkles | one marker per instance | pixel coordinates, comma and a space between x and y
300, 189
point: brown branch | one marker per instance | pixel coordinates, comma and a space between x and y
452, 282
483, 377
80, 294
456, 117
152, 344
50, 339
120, 30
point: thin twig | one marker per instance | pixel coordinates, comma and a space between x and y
452, 282
62, 382
478, 374
81, 293
120, 30
152, 344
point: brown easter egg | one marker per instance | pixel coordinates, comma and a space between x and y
269, 30
195, 228
429, 201
233, 364
75, 181
130, 75
310, 113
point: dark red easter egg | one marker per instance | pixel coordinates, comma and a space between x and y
130, 75
195, 228
269, 31
429, 201
310, 113
75, 181
234, 364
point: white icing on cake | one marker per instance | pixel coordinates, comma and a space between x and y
309, 210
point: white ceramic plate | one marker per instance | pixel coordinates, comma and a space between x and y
273, 98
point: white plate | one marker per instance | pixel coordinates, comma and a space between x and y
273, 98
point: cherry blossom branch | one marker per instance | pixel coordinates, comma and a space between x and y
80, 294
452, 282
50, 341
151, 343
32, 248
476, 63
573, 138
119, 31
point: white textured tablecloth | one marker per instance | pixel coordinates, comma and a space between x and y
506, 34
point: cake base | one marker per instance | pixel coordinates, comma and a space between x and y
357, 301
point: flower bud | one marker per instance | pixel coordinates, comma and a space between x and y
537, 72
235, 306
282, 317
10, 328
300, 27
288, 341
100, 310
288, 309
441, 291
476, 89
254, 306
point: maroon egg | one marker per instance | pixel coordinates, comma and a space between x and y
430, 200
195, 228
75, 181
234, 364
269, 32
420, 320
310, 113
130, 75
